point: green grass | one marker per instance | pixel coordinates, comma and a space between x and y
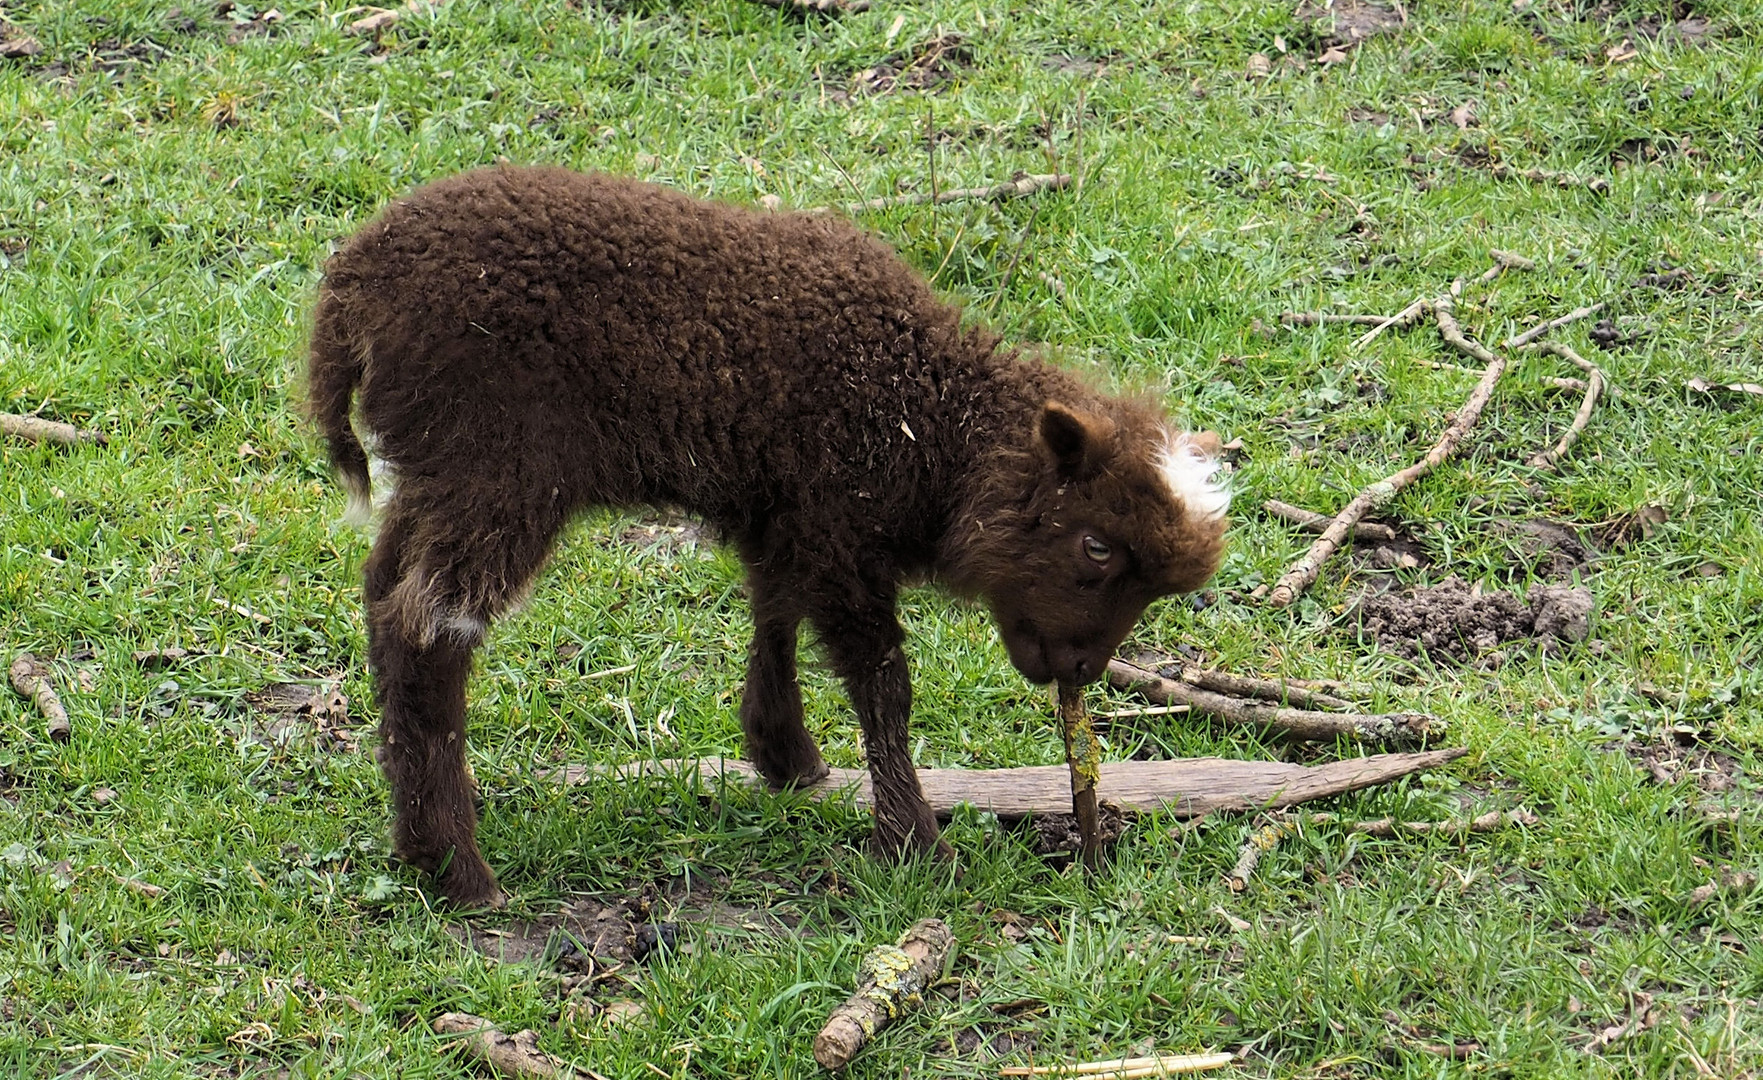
157, 260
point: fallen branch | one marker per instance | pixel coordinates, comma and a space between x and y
1303, 572
515, 1055
31, 678
1134, 1068
890, 978
37, 429
1083, 755
1260, 842
1302, 724
1023, 184
1311, 521
1504, 261
1547, 459
1537, 331
1187, 787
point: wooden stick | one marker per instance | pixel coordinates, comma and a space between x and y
1546, 176
1083, 754
1547, 459
1401, 318
1537, 331
31, 678
1024, 184
1127, 1068
818, 7
1303, 572
1326, 318
37, 429
515, 1055
1248, 686
1188, 787
1295, 723
890, 978
1311, 521
1260, 842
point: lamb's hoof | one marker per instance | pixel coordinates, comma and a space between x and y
900, 845
800, 774
469, 887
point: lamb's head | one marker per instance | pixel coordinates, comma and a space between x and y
1070, 536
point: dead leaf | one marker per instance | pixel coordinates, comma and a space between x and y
1617, 54
1464, 116
1707, 386
152, 659
1334, 55
621, 1012
17, 48
1260, 67
246, 450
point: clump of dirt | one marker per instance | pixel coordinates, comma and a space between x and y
1636, 525
926, 67
1461, 622
669, 531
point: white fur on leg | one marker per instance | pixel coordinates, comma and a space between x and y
464, 629
360, 509
1191, 474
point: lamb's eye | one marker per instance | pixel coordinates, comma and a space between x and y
1096, 550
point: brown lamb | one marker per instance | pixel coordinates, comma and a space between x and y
530, 342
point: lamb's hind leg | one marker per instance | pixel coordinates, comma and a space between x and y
771, 704
434, 581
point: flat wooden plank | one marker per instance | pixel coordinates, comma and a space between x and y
1187, 787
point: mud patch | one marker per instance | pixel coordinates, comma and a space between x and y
286, 711
926, 67
1456, 621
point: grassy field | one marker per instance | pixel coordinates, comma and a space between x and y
198, 884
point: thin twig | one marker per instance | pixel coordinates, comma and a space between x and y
1548, 459
1385, 828
1409, 314
1504, 261
37, 429
1303, 572
1312, 521
1295, 723
1537, 331
31, 678
1026, 184
1328, 318
1126, 1068
1546, 176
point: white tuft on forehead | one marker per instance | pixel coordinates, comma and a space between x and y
1191, 474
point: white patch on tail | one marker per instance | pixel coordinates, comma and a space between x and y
1191, 474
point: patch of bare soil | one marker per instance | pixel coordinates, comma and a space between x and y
1345, 23
925, 67
1714, 773
288, 710
1460, 622
593, 934
669, 531
1056, 835
1549, 549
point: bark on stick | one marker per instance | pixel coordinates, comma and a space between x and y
1083, 754
516, 1055
890, 978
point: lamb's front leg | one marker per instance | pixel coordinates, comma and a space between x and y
865, 651
771, 705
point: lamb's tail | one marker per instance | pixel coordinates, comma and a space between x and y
334, 371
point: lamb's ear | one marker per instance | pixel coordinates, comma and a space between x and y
1078, 441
